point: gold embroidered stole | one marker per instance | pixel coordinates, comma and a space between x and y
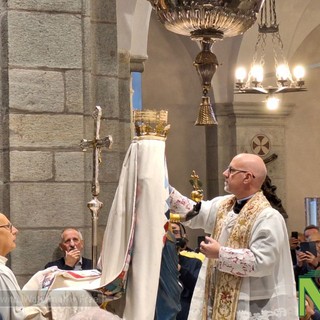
226, 287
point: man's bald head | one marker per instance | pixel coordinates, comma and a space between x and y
254, 164
245, 175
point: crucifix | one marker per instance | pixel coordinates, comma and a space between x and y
94, 205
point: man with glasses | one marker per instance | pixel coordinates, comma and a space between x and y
10, 299
247, 272
9, 288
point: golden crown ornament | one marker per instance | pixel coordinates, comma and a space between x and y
151, 123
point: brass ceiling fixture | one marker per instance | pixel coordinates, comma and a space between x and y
285, 82
207, 21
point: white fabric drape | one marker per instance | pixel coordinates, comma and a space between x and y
142, 194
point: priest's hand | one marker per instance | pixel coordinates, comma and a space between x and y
194, 212
72, 257
210, 248
180, 217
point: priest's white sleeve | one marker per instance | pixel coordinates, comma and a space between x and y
257, 260
205, 219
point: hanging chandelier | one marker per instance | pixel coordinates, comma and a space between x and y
285, 81
207, 21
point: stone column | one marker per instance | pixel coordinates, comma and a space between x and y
58, 60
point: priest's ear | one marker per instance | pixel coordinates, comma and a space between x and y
248, 177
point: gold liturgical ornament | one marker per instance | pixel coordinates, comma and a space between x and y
207, 21
196, 196
197, 192
151, 123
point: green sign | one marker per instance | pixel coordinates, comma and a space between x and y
308, 287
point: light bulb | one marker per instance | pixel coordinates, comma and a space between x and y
283, 72
272, 103
257, 72
241, 74
299, 72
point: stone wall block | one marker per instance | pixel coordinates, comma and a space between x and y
87, 39
86, 5
37, 91
44, 40
30, 166
87, 94
107, 96
104, 48
46, 130
4, 198
35, 248
125, 135
47, 204
105, 11
109, 168
124, 86
74, 91
69, 166
2, 169
88, 165
46, 5
124, 65
124, 99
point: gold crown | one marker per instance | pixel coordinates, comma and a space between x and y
151, 123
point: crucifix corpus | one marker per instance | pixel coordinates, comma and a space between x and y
94, 205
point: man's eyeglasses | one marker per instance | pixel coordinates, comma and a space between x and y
231, 170
7, 226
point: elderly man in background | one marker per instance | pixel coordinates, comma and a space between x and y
247, 273
60, 304
72, 245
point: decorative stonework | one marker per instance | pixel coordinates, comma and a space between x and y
260, 145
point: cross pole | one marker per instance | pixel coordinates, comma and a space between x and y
94, 205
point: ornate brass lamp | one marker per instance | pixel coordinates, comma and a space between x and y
207, 21
268, 28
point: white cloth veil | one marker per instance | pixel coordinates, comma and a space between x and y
138, 214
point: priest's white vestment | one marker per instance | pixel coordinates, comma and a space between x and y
265, 265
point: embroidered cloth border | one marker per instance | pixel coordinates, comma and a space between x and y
225, 286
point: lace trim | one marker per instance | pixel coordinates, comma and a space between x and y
177, 202
280, 313
236, 261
